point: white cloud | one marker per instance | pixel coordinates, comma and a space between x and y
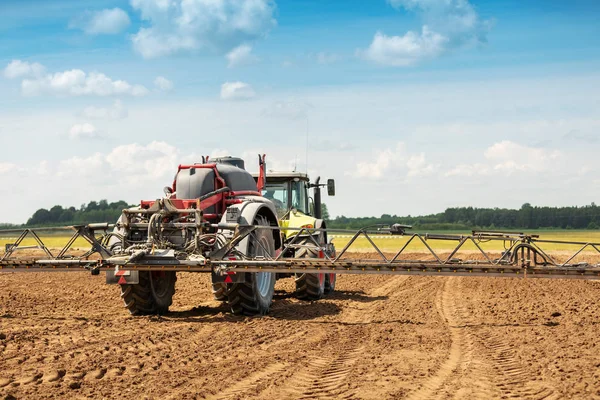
73, 82
163, 84
449, 25
117, 111
418, 166
507, 157
20, 69
81, 166
132, 164
236, 91
83, 131
107, 21
394, 163
401, 51
187, 25
6, 167
240, 56
154, 160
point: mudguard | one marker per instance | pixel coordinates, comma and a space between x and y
252, 207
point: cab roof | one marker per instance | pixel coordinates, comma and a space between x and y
285, 175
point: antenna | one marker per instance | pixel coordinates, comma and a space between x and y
307, 144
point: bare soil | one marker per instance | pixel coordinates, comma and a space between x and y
67, 335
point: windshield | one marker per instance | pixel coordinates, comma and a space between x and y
278, 194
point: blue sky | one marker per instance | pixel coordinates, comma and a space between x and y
450, 100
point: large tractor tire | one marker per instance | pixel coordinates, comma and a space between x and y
153, 295
309, 286
254, 296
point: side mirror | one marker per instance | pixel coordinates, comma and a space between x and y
331, 187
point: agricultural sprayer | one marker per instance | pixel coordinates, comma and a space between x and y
249, 231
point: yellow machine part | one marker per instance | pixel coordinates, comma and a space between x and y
296, 219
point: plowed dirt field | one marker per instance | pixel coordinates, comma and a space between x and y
67, 335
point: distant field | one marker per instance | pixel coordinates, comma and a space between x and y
394, 243
385, 242
51, 240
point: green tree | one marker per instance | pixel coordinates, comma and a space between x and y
325, 212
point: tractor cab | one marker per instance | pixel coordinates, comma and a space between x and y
289, 192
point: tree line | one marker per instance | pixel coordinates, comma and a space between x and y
457, 218
466, 218
94, 211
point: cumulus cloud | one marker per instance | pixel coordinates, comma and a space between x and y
163, 84
507, 157
21, 69
83, 131
117, 111
188, 25
81, 166
73, 82
107, 22
133, 164
449, 25
240, 56
6, 167
401, 51
395, 162
236, 91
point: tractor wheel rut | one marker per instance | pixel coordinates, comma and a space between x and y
325, 375
511, 377
461, 366
480, 363
245, 388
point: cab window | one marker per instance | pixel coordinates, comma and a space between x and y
299, 200
278, 194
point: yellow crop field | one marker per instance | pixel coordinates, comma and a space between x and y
394, 243
384, 242
53, 241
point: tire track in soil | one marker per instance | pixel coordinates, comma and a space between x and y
325, 377
485, 363
242, 389
462, 363
511, 377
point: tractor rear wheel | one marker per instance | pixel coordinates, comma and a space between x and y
153, 295
309, 286
254, 296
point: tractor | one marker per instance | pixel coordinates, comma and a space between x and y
289, 193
